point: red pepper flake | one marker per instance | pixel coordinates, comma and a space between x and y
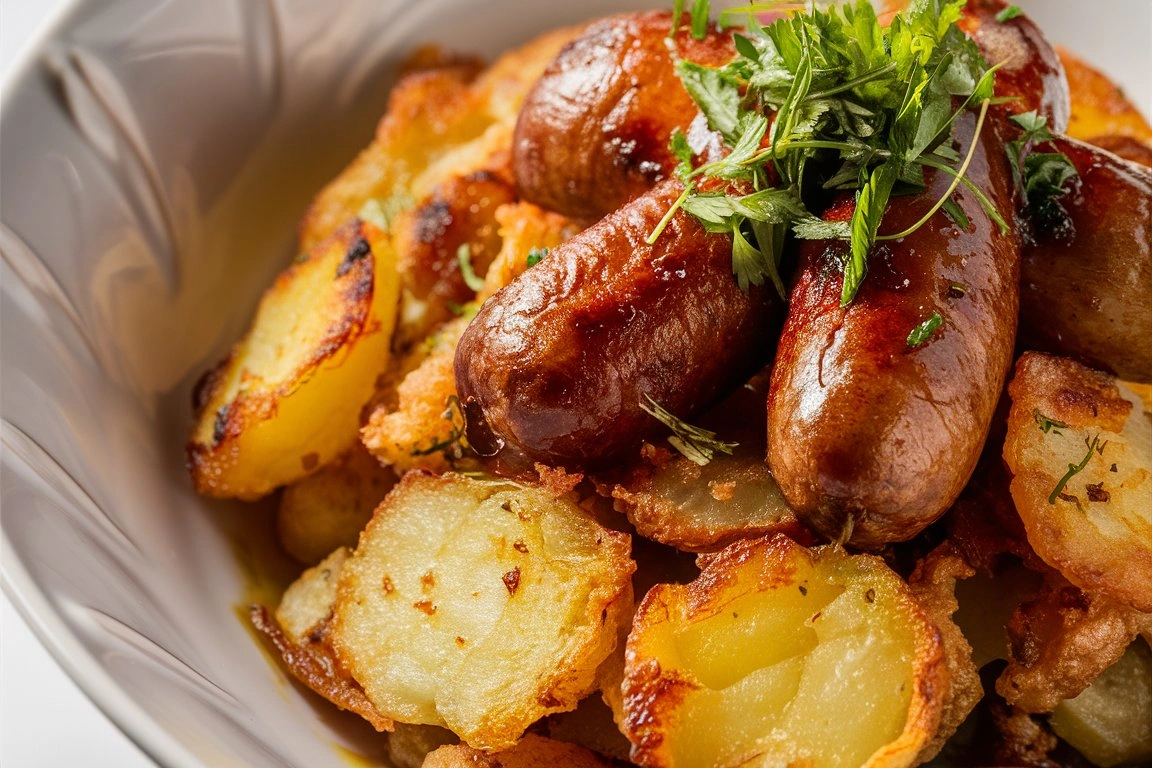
512, 580
520, 546
426, 606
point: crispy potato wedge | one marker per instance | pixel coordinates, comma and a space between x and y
1062, 639
410, 745
782, 655
1080, 448
524, 228
1099, 107
299, 633
531, 752
287, 400
440, 123
329, 508
480, 605
1110, 723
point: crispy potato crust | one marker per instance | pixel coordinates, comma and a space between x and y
480, 605
1099, 107
531, 752
753, 662
1093, 525
287, 400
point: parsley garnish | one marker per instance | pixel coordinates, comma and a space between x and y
828, 99
535, 256
1009, 13
1042, 177
1073, 470
694, 443
924, 330
1046, 424
453, 445
464, 259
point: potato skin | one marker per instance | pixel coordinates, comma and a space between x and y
557, 362
868, 438
593, 132
1085, 287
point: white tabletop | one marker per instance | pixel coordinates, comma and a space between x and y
45, 721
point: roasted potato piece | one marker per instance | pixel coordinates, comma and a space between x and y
440, 123
1099, 107
287, 400
557, 365
531, 752
524, 228
781, 655
1060, 641
328, 509
1110, 723
1080, 448
410, 745
300, 635
1087, 278
480, 605
590, 725
593, 132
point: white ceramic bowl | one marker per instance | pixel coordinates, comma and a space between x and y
155, 156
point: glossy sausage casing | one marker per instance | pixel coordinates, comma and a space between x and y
593, 132
556, 364
872, 439
1086, 287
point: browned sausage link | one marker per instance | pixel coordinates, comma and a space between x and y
557, 362
872, 439
1030, 72
1086, 285
593, 132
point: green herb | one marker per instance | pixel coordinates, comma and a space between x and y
1046, 424
464, 259
382, 213
1042, 177
699, 16
453, 445
696, 444
535, 256
463, 310
854, 106
922, 332
1009, 13
1073, 470
956, 213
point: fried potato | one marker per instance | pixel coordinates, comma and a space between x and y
440, 123
410, 745
287, 400
1099, 107
328, 509
423, 429
1060, 641
532, 752
1080, 447
781, 655
1110, 723
300, 635
933, 583
591, 725
480, 605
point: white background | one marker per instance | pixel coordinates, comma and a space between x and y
44, 718
45, 721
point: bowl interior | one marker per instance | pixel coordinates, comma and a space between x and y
156, 156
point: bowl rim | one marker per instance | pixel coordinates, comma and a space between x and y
57, 637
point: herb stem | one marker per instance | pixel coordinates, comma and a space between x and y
848, 85
955, 179
983, 198
1073, 470
655, 234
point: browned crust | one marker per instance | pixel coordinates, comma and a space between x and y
316, 666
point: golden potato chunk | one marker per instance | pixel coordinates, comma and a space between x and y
532, 752
781, 655
287, 400
409, 745
1110, 723
308, 601
328, 509
1080, 448
480, 605
1099, 107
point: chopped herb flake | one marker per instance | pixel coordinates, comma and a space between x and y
922, 332
696, 444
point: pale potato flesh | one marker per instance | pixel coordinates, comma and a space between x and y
781, 655
1094, 524
287, 400
480, 605
309, 600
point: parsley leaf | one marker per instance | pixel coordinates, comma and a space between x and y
870, 204
922, 332
1009, 13
535, 256
1042, 177
464, 259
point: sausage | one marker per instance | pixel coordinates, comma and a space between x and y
871, 439
1086, 284
593, 132
555, 365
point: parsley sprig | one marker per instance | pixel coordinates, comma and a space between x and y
819, 101
1042, 177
